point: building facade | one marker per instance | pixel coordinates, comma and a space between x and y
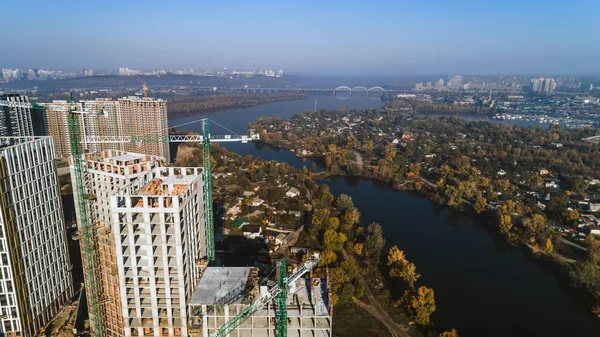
108, 172
20, 121
129, 116
35, 278
158, 225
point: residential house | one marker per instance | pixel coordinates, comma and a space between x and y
552, 184
292, 192
256, 202
543, 172
241, 222
556, 145
395, 141
252, 231
295, 213
430, 155
594, 230
248, 193
501, 173
407, 135
234, 211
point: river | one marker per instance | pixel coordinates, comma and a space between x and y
483, 287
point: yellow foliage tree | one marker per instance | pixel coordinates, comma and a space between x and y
422, 305
395, 255
358, 248
328, 257
505, 224
451, 333
549, 247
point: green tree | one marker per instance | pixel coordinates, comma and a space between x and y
374, 241
346, 292
407, 271
344, 202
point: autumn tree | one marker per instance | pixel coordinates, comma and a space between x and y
358, 248
395, 255
350, 218
333, 240
450, 333
333, 223
421, 305
328, 257
480, 204
504, 223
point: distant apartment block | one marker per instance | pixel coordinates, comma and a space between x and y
19, 121
541, 84
35, 278
129, 116
108, 172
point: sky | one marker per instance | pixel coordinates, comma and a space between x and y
306, 37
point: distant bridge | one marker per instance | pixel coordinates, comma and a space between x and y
359, 89
330, 91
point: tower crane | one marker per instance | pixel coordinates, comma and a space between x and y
87, 222
278, 292
205, 139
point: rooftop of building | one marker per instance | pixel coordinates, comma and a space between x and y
170, 183
115, 161
221, 285
229, 285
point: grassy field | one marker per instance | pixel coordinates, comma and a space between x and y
349, 321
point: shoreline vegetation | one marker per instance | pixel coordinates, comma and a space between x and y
506, 174
361, 271
190, 106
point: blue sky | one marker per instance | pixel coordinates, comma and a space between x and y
334, 37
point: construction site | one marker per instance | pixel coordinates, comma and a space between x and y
225, 292
146, 234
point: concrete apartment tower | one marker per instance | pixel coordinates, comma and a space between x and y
35, 281
20, 121
129, 116
108, 172
158, 224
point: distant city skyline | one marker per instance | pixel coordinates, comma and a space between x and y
351, 37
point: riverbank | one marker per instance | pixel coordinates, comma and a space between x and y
206, 104
562, 262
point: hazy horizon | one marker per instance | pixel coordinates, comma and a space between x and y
308, 38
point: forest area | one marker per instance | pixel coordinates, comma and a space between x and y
191, 105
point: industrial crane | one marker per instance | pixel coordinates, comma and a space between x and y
205, 139
87, 222
278, 291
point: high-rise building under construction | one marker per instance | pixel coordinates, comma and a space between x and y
35, 281
128, 116
149, 237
